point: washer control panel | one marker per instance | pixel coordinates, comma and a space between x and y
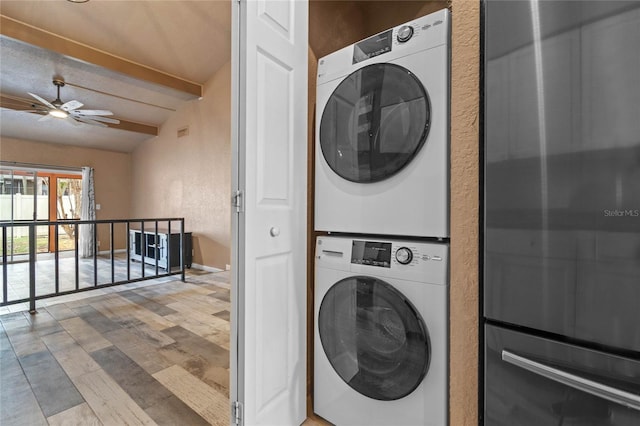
419, 261
372, 253
385, 254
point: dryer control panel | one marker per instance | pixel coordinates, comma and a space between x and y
425, 28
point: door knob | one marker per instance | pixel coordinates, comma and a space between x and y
275, 231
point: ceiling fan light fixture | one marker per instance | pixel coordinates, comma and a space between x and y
58, 113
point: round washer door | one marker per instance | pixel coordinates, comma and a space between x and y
374, 338
374, 123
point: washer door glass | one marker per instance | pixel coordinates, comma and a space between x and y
374, 338
374, 123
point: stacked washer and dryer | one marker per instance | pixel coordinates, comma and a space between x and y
382, 194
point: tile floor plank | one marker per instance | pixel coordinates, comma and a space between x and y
155, 338
17, 400
212, 405
149, 304
84, 334
190, 308
195, 345
161, 297
59, 341
14, 320
80, 415
60, 311
73, 359
173, 411
95, 319
153, 320
203, 359
51, 386
123, 316
138, 350
210, 327
109, 402
206, 305
143, 388
133, 379
223, 294
225, 315
25, 342
43, 323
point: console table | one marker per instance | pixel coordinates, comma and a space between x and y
145, 247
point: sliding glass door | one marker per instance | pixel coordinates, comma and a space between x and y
27, 195
24, 196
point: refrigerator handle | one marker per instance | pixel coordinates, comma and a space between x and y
594, 388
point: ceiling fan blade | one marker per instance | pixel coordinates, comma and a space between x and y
70, 120
87, 121
71, 105
97, 118
43, 101
93, 112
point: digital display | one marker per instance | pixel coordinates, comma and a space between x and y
371, 253
373, 46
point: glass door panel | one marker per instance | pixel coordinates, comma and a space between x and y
68, 207
23, 197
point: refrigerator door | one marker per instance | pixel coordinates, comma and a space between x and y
562, 174
537, 381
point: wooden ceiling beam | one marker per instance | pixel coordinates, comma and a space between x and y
132, 126
29, 34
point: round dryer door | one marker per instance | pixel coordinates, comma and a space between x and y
374, 338
374, 123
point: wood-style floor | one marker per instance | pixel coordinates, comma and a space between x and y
143, 354
153, 352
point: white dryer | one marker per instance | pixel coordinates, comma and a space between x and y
380, 355
382, 133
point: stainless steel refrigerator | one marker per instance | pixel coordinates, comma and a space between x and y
561, 264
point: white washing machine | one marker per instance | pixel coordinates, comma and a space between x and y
382, 133
381, 332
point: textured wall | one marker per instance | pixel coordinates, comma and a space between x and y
382, 15
190, 176
465, 184
112, 176
333, 25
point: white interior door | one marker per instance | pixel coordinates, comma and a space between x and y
269, 255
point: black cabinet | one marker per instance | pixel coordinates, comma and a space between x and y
161, 248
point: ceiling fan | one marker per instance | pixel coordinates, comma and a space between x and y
69, 110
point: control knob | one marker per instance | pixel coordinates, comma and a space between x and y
405, 33
404, 255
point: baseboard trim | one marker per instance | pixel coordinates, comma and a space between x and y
205, 268
115, 251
